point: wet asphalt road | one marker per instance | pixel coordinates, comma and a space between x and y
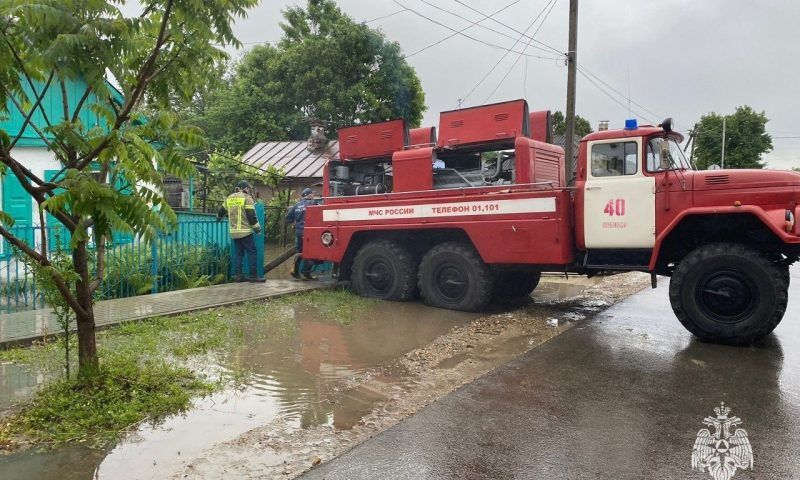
621, 396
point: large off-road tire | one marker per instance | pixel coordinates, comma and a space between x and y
453, 276
514, 284
384, 269
728, 293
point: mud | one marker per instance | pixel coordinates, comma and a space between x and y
326, 387
319, 373
279, 449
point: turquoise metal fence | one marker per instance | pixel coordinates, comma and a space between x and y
197, 254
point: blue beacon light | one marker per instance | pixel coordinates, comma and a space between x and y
631, 124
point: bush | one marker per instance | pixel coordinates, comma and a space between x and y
129, 268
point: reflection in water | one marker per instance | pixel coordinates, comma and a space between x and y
557, 291
17, 383
67, 463
303, 378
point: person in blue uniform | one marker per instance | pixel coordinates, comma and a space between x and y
297, 216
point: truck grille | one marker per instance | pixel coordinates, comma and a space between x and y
717, 179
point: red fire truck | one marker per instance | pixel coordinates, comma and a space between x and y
480, 210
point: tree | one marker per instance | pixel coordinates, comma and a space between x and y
113, 170
228, 170
746, 139
582, 126
326, 66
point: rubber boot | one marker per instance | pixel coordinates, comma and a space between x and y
305, 269
296, 268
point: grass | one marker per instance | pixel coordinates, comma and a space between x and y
95, 411
144, 367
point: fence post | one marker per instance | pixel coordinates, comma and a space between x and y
262, 220
154, 263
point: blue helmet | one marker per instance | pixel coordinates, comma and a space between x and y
307, 193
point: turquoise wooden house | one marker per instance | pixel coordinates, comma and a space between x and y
32, 151
194, 254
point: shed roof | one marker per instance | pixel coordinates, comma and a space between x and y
293, 157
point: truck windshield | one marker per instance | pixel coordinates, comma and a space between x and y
674, 160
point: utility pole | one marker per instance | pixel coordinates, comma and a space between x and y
572, 64
723, 143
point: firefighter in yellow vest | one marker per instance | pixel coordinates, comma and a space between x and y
242, 223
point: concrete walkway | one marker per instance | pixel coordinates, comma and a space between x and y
26, 326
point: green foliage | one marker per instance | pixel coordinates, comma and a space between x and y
276, 212
746, 142
339, 305
61, 264
129, 269
326, 66
144, 376
113, 166
582, 126
96, 410
225, 171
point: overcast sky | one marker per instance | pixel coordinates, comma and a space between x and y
680, 58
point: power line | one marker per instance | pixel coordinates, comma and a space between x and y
490, 17
626, 97
612, 97
458, 32
499, 32
544, 19
386, 16
493, 67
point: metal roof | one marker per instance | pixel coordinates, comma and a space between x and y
293, 157
560, 140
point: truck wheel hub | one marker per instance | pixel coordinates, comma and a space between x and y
379, 275
451, 282
727, 296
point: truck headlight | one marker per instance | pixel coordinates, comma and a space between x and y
327, 239
789, 224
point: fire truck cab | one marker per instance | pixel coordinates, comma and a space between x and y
476, 209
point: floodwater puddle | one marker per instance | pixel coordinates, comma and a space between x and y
556, 290
324, 373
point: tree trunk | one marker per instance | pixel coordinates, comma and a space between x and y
87, 346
